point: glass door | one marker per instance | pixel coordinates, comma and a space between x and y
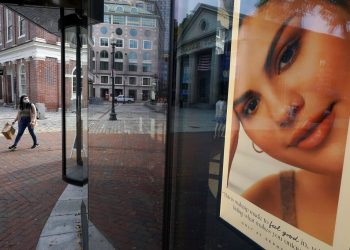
74, 98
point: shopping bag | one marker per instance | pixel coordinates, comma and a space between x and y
8, 131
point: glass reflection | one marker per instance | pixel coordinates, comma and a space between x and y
127, 156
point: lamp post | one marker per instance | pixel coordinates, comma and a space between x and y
113, 115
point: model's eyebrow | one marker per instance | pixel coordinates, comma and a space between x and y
243, 98
274, 42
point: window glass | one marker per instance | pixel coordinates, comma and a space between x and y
147, 44
119, 9
118, 66
104, 79
119, 31
148, 22
118, 80
132, 67
133, 32
9, 18
103, 42
132, 80
119, 20
146, 67
133, 21
104, 54
118, 55
146, 56
119, 43
133, 44
132, 147
132, 56
21, 26
146, 81
107, 19
104, 65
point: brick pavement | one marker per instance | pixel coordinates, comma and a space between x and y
126, 188
30, 184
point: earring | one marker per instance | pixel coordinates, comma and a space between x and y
259, 151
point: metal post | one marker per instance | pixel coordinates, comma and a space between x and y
113, 115
124, 90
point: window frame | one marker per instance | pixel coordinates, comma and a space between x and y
101, 42
9, 16
133, 40
143, 44
21, 27
106, 77
143, 78
116, 43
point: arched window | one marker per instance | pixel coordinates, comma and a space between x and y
118, 55
132, 56
133, 10
146, 56
120, 9
104, 60
22, 80
118, 61
104, 54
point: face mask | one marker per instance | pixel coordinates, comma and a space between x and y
26, 101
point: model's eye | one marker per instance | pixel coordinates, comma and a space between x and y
251, 106
288, 55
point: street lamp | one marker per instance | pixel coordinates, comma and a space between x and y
113, 115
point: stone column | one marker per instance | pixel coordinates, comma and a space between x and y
214, 77
192, 88
178, 79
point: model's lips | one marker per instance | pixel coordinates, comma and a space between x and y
314, 131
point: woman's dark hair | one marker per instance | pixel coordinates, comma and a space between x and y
23, 105
260, 3
338, 2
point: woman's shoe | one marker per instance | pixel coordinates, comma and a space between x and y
35, 145
13, 147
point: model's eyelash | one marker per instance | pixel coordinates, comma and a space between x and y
288, 55
250, 106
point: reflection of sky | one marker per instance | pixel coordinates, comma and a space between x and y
184, 7
248, 6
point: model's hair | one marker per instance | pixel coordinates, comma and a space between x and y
337, 2
23, 105
261, 3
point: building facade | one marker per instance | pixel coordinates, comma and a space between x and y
137, 29
30, 58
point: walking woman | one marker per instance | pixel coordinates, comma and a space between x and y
26, 118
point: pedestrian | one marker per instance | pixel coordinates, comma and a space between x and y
220, 117
26, 117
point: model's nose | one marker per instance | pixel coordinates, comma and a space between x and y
287, 116
285, 112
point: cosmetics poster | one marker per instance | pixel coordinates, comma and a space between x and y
286, 173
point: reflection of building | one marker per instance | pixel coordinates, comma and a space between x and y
30, 57
136, 26
204, 37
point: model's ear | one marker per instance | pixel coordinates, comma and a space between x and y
233, 141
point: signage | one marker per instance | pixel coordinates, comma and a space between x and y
286, 170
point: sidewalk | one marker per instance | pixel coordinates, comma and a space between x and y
30, 184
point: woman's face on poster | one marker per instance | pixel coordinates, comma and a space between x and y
293, 82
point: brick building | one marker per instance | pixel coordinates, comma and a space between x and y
31, 61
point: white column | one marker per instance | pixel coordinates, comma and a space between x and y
214, 77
